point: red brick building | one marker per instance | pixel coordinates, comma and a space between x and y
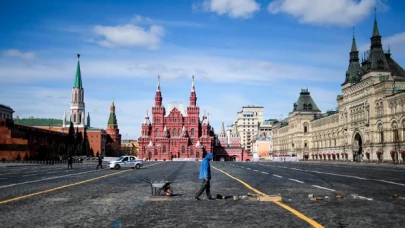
232, 151
175, 132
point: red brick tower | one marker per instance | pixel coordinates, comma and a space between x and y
112, 127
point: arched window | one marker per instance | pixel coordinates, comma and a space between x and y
191, 152
183, 150
164, 149
157, 132
395, 134
173, 132
79, 119
75, 97
156, 152
178, 132
192, 131
380, 134
74, 118
305, 106
305, 127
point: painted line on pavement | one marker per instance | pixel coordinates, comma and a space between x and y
265, 173
50, 178
390, 182
341, 175
296, 180
28, 171
66, 186
297, 169
256, 170
362, 197
316, 186
288, 208
29, 175
248, 168
277, 176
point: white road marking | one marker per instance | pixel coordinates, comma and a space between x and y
341, 175
50, 178
256, 170
265, 173
296, 180
390, 182
52, 172
297, 169
242, 167
362, 197
277, 176
316, 186
29, 175
248, 168
284, 167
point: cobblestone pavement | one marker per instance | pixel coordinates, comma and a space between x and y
52, 196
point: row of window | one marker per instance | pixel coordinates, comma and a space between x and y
174, 132
5, 116
164, 151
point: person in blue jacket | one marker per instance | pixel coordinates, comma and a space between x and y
205, 176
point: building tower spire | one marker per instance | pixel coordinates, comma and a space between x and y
77, 106
88, 119
376, 37
158, 96
353, 71
112, 126
193, 95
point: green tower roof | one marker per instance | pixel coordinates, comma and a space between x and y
78, 78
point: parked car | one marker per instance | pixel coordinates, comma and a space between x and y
126, 161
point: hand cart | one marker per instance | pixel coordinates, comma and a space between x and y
158, 186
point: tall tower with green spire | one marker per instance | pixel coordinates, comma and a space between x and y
77, 106
112, 127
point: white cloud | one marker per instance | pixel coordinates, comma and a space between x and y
211, 68
233, 8
19, 54
325, 12
130, 35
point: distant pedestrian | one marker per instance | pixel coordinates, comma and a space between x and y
100, 162
70, 162
205, 176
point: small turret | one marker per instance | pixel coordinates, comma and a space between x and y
88, 119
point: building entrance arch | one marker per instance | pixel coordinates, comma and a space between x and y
357, 147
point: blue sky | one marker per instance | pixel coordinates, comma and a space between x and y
242, 52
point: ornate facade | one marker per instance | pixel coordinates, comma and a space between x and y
229, 148
369, 123
175, 132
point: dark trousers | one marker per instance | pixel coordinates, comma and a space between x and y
205, 186
70, 165
99, 164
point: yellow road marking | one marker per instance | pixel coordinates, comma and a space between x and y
288, 208
66, 186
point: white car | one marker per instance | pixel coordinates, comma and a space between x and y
126, 161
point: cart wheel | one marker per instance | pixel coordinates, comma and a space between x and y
137, 166
117, 166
